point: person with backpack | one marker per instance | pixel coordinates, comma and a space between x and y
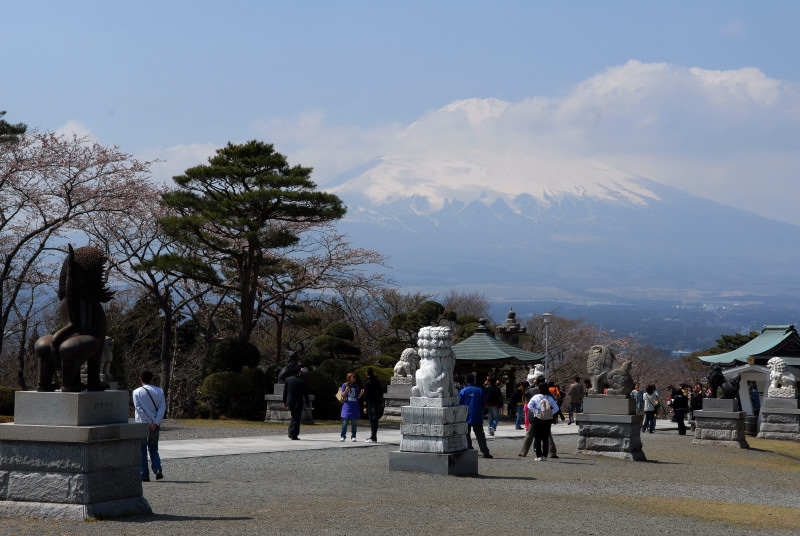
542, 406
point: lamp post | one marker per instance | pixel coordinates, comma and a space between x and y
546, 317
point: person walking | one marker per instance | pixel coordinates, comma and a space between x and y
295, 397
575, 394
494, 403
474, 398
517, 401
543, 407
373, 394
149, 406
650, 406
695, 401
555, 392
680, 404
638, 395
352, 393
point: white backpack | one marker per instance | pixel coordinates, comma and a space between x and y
545, 412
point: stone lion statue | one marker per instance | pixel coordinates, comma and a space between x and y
407, 365
599, 363
535, 373
81, 291
437, 361
782, 384
619, 380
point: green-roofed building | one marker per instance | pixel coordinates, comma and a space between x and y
482, 352
774, 341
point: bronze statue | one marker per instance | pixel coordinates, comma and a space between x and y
291, 367
717, 380
81, 291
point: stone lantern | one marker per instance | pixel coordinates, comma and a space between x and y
510, 329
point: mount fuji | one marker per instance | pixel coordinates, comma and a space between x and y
521, 224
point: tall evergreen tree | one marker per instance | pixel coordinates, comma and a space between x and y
9, 132
237, 213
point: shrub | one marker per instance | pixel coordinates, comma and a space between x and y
336, 369
384, 375
7, 400
323, 387
230, 355
221, 390
386, 361
202, 411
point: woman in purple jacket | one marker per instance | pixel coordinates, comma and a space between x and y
352, 393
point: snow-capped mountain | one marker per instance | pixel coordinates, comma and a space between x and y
517, 223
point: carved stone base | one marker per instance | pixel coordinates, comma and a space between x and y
721, 428
780, 419
397, 396
609, 426
63, 471
460, 463
615, 436
277, 413
433, 429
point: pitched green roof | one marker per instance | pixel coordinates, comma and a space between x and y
483, 347
774, 341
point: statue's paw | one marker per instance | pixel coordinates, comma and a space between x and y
102, 386
48, 388
76, 388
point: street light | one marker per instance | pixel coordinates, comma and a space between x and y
546, 317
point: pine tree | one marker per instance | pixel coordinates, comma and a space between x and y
237, 213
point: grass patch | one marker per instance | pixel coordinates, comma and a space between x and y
785, 448
6, 418
736, 514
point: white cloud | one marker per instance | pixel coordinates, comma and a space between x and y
726, 135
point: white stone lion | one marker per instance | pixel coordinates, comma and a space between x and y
435, 375
407, 365
535, 373
782, 384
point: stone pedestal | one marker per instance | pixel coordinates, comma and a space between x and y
780, 419
609, 426
718, 423
398, 394
71, 456
434, 438
277, 413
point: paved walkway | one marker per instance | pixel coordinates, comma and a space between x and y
194, 448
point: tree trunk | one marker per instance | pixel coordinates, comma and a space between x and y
279, 320
21, 356
166, 354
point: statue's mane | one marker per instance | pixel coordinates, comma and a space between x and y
88, 272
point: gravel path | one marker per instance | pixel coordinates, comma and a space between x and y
682, 489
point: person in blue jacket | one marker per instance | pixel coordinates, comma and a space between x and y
474, 398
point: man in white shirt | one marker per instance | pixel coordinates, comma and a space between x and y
150, 405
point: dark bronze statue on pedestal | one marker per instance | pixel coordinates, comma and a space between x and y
81, 291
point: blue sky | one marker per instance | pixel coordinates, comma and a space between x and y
704, 96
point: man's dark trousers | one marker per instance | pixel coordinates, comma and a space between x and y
479, 435
294, 424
